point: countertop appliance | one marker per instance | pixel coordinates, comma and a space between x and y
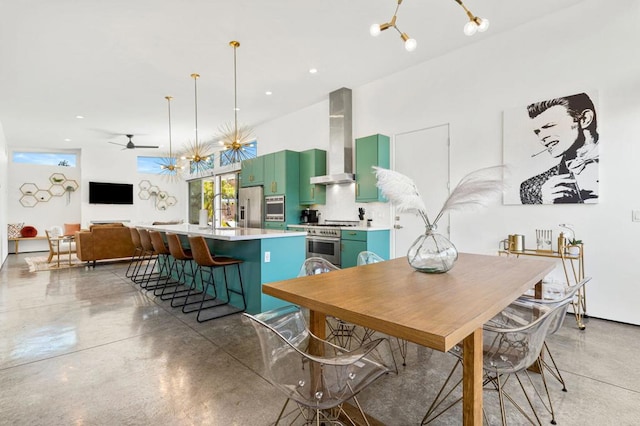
323, 240
309, 216
250, 207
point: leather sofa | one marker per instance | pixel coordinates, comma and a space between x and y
104, 241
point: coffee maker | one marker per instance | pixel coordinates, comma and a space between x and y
309, 216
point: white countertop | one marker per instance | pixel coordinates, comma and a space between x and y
231, 234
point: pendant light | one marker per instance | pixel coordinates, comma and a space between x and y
198, 153
169, 167
235, 138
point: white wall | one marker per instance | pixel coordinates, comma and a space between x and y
309, 128
118, 166
4, 178
106, 164
43, 215
470, 88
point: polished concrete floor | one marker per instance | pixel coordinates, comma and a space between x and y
85, 346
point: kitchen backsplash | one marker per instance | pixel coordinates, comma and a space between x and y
341, 205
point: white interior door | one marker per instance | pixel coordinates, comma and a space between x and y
423, 155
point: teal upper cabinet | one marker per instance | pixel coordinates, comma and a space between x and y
252, 172
312, 163
282, 177
370, 151
281, 169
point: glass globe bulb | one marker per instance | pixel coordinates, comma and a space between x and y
374, 30
470, 28
410, 44
484, 25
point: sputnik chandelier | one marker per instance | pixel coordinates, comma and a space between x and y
474, 25
169, 167
198, 153
235, 138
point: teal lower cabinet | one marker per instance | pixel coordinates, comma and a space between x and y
265, 260
286, 256
353, 242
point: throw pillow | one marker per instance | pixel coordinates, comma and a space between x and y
14, 229
71, 228
28, 232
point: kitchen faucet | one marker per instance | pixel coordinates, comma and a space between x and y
213, 211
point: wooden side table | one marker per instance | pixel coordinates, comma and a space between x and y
573, 267
68, 239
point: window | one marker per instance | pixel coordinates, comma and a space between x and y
223, 203
151, 165
63, 159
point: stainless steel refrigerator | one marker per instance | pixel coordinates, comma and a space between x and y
250, 210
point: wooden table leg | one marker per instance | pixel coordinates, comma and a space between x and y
317, 324
472, 379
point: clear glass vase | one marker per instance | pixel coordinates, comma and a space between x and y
432, 253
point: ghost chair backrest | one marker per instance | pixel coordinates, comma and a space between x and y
367, 257
316, 265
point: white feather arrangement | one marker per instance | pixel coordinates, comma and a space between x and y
477, 189
401, 191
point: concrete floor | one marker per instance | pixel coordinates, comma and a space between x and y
85, 346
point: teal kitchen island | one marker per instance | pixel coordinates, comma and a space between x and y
268, 255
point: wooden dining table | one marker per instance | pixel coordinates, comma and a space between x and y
433, 310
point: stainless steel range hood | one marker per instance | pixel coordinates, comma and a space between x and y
340, 155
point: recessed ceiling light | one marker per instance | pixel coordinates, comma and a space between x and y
79, 116
313, 70
268, 93
67, 140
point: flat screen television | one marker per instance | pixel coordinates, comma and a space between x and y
110, 193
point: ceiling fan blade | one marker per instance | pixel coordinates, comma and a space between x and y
116, 143
146, 146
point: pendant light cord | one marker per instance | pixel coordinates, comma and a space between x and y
235, 90
195, 88
168, 98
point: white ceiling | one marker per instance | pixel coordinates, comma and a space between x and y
113, 61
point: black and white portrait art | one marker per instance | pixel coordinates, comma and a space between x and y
551, 150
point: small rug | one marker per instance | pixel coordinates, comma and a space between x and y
40, 263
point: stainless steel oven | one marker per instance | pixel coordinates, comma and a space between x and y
274, 208
324, 242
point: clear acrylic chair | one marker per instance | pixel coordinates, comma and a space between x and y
512, 342
340, 332
556, 295
365, 258
317, 375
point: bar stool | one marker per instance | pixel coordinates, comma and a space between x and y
137, 254
182, 257
205, 260
165, 260
151, 257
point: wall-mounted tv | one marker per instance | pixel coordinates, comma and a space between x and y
110, 193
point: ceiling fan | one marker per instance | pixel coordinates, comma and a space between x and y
131, 145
